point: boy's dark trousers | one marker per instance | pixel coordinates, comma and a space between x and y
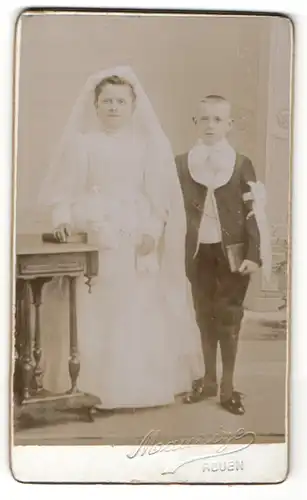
218, 296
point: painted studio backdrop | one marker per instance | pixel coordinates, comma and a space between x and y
178, 60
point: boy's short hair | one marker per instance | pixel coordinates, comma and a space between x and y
217, 99
214, 97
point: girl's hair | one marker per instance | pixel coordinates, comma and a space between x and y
113, 80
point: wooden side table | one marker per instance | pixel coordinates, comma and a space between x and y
36, 264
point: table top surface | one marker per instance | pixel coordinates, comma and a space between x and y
32, 244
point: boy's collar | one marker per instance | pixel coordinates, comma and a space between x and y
223, 143
222, 156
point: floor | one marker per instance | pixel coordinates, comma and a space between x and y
260, 375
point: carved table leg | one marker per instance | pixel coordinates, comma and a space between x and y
37, 287
74, 362
27, 366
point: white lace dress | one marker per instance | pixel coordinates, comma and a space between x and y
128, 340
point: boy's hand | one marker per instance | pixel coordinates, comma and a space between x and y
146, 246
61, 232
248, 267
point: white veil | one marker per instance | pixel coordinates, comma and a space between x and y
65, 180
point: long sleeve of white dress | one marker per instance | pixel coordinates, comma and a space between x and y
150, 223
65, 183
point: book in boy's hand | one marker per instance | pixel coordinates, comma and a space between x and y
236, 256
73, 238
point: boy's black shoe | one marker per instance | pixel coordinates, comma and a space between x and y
201, 390
234, 404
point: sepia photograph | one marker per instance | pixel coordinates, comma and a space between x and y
151, 247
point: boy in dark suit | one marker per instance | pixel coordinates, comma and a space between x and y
222, 244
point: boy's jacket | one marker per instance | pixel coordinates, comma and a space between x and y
238, 224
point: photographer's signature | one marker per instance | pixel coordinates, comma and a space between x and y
150, 445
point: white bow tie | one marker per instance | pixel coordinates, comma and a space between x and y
212, 165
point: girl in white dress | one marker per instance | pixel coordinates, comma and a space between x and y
114, 176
